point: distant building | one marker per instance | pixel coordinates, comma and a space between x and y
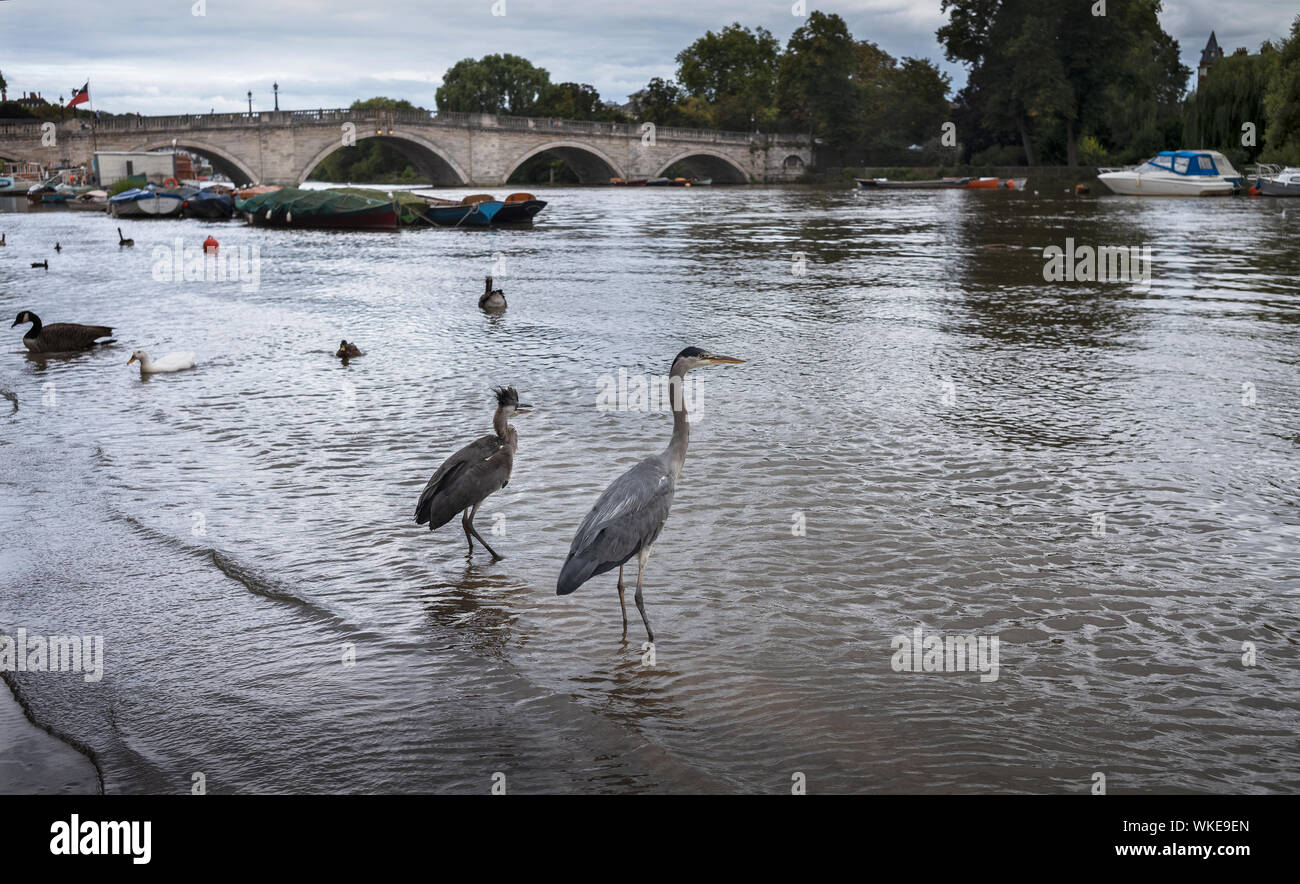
31, 99
1212, 53
112, 166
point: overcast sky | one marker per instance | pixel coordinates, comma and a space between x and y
157, 56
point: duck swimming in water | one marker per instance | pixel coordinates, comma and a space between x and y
347, 350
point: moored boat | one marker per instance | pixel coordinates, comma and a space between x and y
519, 208
1176, 173
1275, 181
982, 184
928, 184
471, 211
208, 204
138, 202
21, 177
90, 201
294, 207
629, 182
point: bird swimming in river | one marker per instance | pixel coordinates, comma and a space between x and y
59, 337
41, 264
2, 239
57, 247
629, 515
466, 478
122, 240
492, 300
346, 351
164, 365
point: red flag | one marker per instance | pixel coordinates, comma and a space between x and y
82, 96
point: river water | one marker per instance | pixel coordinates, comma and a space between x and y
926, 435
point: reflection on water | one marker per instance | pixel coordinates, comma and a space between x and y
944, 423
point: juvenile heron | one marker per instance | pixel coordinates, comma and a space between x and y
466, 478
628, 517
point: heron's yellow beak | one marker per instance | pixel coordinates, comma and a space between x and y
129, 361
523, 409
711, 359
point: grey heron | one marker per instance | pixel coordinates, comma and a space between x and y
466, 478
629, 515
492, 300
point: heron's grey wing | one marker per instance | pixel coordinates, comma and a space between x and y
627, 517
436, 504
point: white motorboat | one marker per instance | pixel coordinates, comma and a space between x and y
1176, 173
1276, 181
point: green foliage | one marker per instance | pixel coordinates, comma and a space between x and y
574, 101
494, 84
734, 72
122, 185
1232, 94
1048, 72
1282, 103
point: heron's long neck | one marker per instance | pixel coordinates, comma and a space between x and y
676, 451
500, 424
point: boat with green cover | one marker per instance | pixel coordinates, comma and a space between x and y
319, 209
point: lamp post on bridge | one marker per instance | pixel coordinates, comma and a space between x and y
275, 87
250, 102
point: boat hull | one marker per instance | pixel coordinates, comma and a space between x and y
518, 213
370, 219
932, 184
1269, 187
475, 215
1132, 184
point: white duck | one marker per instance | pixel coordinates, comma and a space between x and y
170, 362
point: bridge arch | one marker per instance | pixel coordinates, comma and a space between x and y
422, 153
705, 163
223, 160
590, 164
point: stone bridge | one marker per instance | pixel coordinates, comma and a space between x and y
283, 147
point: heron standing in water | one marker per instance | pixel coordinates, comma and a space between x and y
628, 517
466, 478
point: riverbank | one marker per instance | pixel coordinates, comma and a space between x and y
1044, 178
35, 762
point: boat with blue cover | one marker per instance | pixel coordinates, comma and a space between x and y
1176, 173
143, 202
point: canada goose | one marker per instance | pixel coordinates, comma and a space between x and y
60, 337
122, 240
492, 300
346, 350
45, 264
169, 363
2, 239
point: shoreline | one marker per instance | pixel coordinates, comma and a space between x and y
33, 761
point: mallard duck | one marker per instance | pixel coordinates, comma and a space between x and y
169, 363
60, 337
492, 300
347, 351
122, 240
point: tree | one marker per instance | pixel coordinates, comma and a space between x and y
1053, 68
574, 101
1282, 103
494, 84
659, 103
1232, 93
815, 78
734, 71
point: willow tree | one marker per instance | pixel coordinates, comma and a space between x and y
1282, 103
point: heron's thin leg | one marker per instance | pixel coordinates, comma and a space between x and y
464, 523
621, 602
472, 513
640, 606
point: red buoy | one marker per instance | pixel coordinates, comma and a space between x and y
210, 246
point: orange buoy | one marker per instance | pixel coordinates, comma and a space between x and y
210, 246
171, 182
1080, 189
